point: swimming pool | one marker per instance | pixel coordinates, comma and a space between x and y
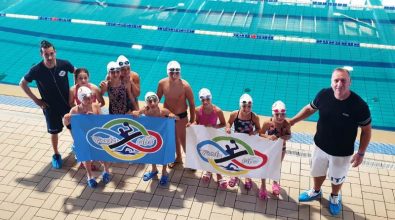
270, 49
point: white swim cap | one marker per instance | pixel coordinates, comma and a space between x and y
83, 92
173, 65
245, 99
205, 94
123, 61
111, 66
278, 107
151, 96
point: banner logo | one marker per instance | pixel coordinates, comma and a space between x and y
124, 139
230, 156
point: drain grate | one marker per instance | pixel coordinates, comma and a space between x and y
366, 162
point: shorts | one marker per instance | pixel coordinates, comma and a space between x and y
54, 117
336, 166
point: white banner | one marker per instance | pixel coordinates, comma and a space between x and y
233, 154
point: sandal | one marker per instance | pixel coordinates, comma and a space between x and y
149, 175
262, 194
92, 183
173, 164
164, 179
223, 184
276, 189
233, 181
106, 177
248, 184
206, 177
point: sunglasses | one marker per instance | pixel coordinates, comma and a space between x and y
122, 63
151, 99
245, 102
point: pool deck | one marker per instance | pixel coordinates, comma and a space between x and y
31, 189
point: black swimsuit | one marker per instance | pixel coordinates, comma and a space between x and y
243, 126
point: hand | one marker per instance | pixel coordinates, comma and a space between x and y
227, 130
103, 86
188, 124
41, 104
273, 137
356, 160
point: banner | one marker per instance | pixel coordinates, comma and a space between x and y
233, 154
124, 138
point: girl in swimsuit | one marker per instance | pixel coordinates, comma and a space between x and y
119, 92
81, 78
243, 121
152, 109
274, 128
208, 114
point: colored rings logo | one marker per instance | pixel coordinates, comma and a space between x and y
230, 156
125, 139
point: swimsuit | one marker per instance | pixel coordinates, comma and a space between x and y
243, 126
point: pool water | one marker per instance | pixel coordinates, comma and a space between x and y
270, 49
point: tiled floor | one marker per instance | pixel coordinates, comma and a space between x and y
31, 189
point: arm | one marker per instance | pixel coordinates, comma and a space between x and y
135, 84
231, 119
287, 133
196, 116
24, 85
130, 95
159, 90
71, 97
98, 94
221, 117
257, 124
103, 87
366, 134
191, 101
302, 114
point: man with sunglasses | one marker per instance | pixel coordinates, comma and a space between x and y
133, 77
341, 112
53, 85
178, 95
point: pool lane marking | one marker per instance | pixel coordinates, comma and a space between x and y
203, 32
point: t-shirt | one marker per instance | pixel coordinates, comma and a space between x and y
338, 122
53, 84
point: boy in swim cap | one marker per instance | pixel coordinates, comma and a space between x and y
86, 106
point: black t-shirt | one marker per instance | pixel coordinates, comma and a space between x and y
53, 84
338, 122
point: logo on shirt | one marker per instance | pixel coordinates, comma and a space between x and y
62, 73
345, 114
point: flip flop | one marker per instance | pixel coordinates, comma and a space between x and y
164, 179
233, 181
276, 189
223, 184
248, 184
173, 164
206, 177
92, 183
106, 177
149, 175
262, 194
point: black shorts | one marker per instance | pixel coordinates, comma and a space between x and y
54, 117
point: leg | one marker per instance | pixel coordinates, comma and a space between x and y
87, 165
318, 181
54, 142
164, 179
262, 193
181, 137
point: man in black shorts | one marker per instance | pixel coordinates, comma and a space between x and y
341, 112
53, 84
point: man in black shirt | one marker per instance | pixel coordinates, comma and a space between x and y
53, 84
341, 112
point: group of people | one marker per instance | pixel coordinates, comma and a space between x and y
341, 112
